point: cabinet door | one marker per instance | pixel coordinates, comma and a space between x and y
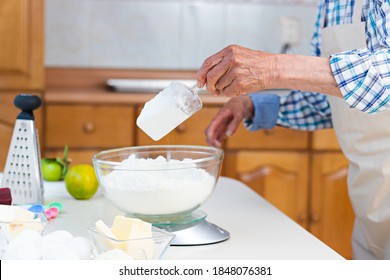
331, 211
21, 62
21, 41
279, 177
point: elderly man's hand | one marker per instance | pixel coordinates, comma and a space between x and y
226, 122
236, 70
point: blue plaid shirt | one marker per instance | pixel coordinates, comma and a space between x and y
363, 75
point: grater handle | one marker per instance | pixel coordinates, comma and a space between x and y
27, 103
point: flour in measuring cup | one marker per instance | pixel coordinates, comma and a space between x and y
160, 116
169, 108
157, 186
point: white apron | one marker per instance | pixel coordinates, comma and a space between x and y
365, 141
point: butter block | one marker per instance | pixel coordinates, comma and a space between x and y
16, 219
104, 230
10, 213
15, 228
138, 235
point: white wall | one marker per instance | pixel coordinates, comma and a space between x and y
166, 34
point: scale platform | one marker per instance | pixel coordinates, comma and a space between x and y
193, 230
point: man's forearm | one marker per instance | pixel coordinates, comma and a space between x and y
306, 73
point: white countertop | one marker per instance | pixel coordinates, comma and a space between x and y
257, 229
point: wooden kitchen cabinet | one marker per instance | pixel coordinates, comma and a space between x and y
331, 211
21, 41
275, 164
280, 177
21, 62
304, 174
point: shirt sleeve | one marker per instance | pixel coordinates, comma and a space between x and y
363, 78
266, 109
296, 110
363, 75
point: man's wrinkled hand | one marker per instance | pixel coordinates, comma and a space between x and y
236, 70
227, 120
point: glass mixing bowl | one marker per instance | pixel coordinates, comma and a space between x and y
158, 183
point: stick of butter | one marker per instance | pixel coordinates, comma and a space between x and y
15, 214
18, 219
139, 234
106, 231
131, 235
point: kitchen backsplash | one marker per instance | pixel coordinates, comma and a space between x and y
167, 34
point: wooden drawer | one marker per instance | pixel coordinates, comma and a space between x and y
85, 126
276, 138
189, 132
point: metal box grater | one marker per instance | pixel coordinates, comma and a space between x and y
22, 172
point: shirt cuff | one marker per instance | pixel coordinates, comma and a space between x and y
266, 110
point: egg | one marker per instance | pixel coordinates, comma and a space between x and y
57, 245
50, 241
63, 234
55, 237
81, 246
47, 246
22, 251
22, 241
60, 252
27, 234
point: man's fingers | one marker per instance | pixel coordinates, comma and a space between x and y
215, 75
233, 126
216, 131
207, 65
212, 61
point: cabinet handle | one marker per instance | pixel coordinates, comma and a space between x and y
181, 128
89, 127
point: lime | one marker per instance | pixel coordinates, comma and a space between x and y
54, 169
81, 181
51, 170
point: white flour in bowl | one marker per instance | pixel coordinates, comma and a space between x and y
148, 187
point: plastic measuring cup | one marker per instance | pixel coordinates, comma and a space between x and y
169, 108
